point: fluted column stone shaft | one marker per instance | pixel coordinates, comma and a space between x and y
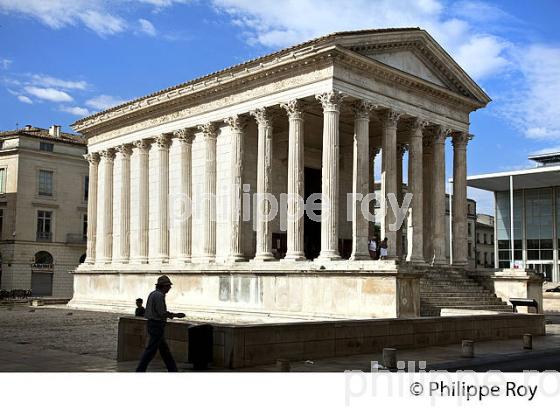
106, 248
263, 250
415, 233
123, 248
330, 101
162, 246
401, 150
460, 239
209, 135
140, 156
389, 120
361, 177
428, 197
93, 159
183, 217
295, 229
237, 126
439, 201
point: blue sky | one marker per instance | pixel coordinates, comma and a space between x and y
63, 59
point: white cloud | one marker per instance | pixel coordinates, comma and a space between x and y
147, 27
5, 63
279, 24
50, 94
103, 101
48, 81
78, 111
24, 99
533, 105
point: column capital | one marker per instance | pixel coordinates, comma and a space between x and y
92, 158
416, 125
362, 109
389, 117
108, 154
184, 135
209, 130
460, 139
142, 145
163, 140
263, 116
331, 100
236, 123
294, 108
440, 134
125, 150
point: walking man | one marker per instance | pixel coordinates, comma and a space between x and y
157, 315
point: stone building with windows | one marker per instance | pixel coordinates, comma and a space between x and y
309, 119
43, 209
484, 241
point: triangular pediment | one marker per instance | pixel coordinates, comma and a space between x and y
408, 62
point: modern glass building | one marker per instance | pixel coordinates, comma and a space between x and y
527, 209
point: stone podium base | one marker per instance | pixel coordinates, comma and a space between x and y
258, 293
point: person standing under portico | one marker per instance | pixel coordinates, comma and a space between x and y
157, 315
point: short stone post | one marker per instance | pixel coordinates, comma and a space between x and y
528, 341
390, 358
467, 348
283, 365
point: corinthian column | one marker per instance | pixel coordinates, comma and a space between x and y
264, 162
237, 126
140, 155
295, 249
439, 201
123, 154
330, 174
460, 140
93, 159
428, 166
209, 135
361, 177
183, 217
389, 120
106, 248
162, 247
415, 232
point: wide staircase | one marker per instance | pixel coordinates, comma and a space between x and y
452, 288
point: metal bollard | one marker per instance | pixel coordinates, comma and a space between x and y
528, 341
283, 365
390, 358
467, 348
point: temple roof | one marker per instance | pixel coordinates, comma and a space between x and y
357, 40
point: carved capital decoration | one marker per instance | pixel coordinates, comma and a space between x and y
263, 116
163, 141
416, 125
92, 158
125, 150
428, 143
294, 109
440, 134
236, 123
460, 139
330, 100
389, 118
142, 145
209, 130
362, 109
108, 154
184, 135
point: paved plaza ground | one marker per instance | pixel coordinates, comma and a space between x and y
54, 339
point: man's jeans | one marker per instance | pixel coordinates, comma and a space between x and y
156, 331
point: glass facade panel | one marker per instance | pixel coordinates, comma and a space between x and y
503, 227
539, 220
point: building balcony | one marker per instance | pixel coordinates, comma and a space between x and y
44, 236
76, 238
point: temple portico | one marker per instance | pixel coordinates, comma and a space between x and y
269, 167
